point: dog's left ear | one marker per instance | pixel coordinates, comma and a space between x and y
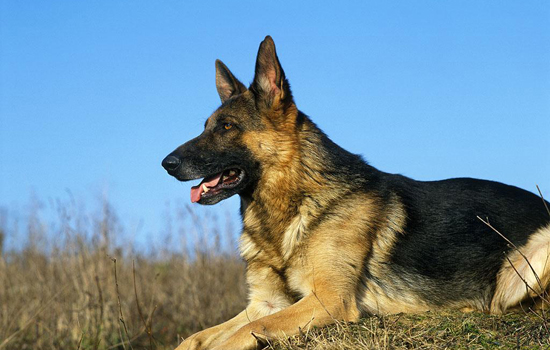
226, 83
270, 85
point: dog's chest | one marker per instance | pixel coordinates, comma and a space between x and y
286, 255
300, 277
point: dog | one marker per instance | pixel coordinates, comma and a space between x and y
328, 237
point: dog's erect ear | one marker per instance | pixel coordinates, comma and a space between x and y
270, 85
226, 83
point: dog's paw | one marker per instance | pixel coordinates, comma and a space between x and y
192, 342
244, 339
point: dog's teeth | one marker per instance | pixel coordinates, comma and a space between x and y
204, 188
225, 178
232, 172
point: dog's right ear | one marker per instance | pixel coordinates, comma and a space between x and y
226, 83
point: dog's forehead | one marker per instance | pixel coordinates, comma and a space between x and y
239, 109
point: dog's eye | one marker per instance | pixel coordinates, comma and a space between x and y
227, 126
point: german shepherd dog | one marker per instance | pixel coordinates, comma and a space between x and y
328, 237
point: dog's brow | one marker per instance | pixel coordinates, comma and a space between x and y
226, 117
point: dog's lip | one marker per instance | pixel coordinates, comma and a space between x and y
214, 184
200, 176
184, 177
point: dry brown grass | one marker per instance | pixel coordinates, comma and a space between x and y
450, 330
60, 291
65, 296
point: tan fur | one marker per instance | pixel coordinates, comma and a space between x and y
524, 277
312, 261
293, 234
317, 249
395, 297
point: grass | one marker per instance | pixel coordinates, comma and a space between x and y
449, 330
61, 290
77, 284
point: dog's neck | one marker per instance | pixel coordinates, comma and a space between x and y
288, 197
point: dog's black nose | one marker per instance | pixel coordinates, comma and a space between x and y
171, 163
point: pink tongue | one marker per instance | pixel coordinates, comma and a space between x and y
211, 181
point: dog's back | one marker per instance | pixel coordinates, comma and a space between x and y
456, 256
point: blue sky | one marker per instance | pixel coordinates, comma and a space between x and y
94, 94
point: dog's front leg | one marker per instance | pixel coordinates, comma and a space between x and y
213, 335
267, 296
319, 308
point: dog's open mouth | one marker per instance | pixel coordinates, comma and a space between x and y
214, 184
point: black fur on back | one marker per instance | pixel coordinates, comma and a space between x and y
444, 242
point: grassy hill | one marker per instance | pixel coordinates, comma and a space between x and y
449, 330
74, 285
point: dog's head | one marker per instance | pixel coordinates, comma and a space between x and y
252, 129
